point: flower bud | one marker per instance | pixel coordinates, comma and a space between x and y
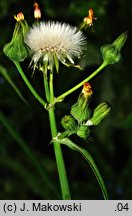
111, 52
16, 50
88, 21
69, 123
37, 11
80, 110
83, 131
100, 112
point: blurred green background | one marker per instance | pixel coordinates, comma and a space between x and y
110, 143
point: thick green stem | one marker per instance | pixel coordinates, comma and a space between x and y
61, 97
59, 158
36, 95
57, 148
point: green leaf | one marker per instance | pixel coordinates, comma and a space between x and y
5, 74
89, 159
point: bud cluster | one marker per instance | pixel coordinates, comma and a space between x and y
82, 117
16, 49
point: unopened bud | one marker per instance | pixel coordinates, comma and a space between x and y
69, 123
19, 17
88, 21
83, 131
37, 11
80, 110
111, 53
100, 112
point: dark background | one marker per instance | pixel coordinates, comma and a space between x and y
109, 143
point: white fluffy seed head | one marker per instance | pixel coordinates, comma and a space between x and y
55, 39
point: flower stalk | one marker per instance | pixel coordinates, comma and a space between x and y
36, 95
61, 97
57, 148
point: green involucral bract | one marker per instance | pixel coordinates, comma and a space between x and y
100, 112
80, 110
69, 123
16, 50
111, 53
83, 131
